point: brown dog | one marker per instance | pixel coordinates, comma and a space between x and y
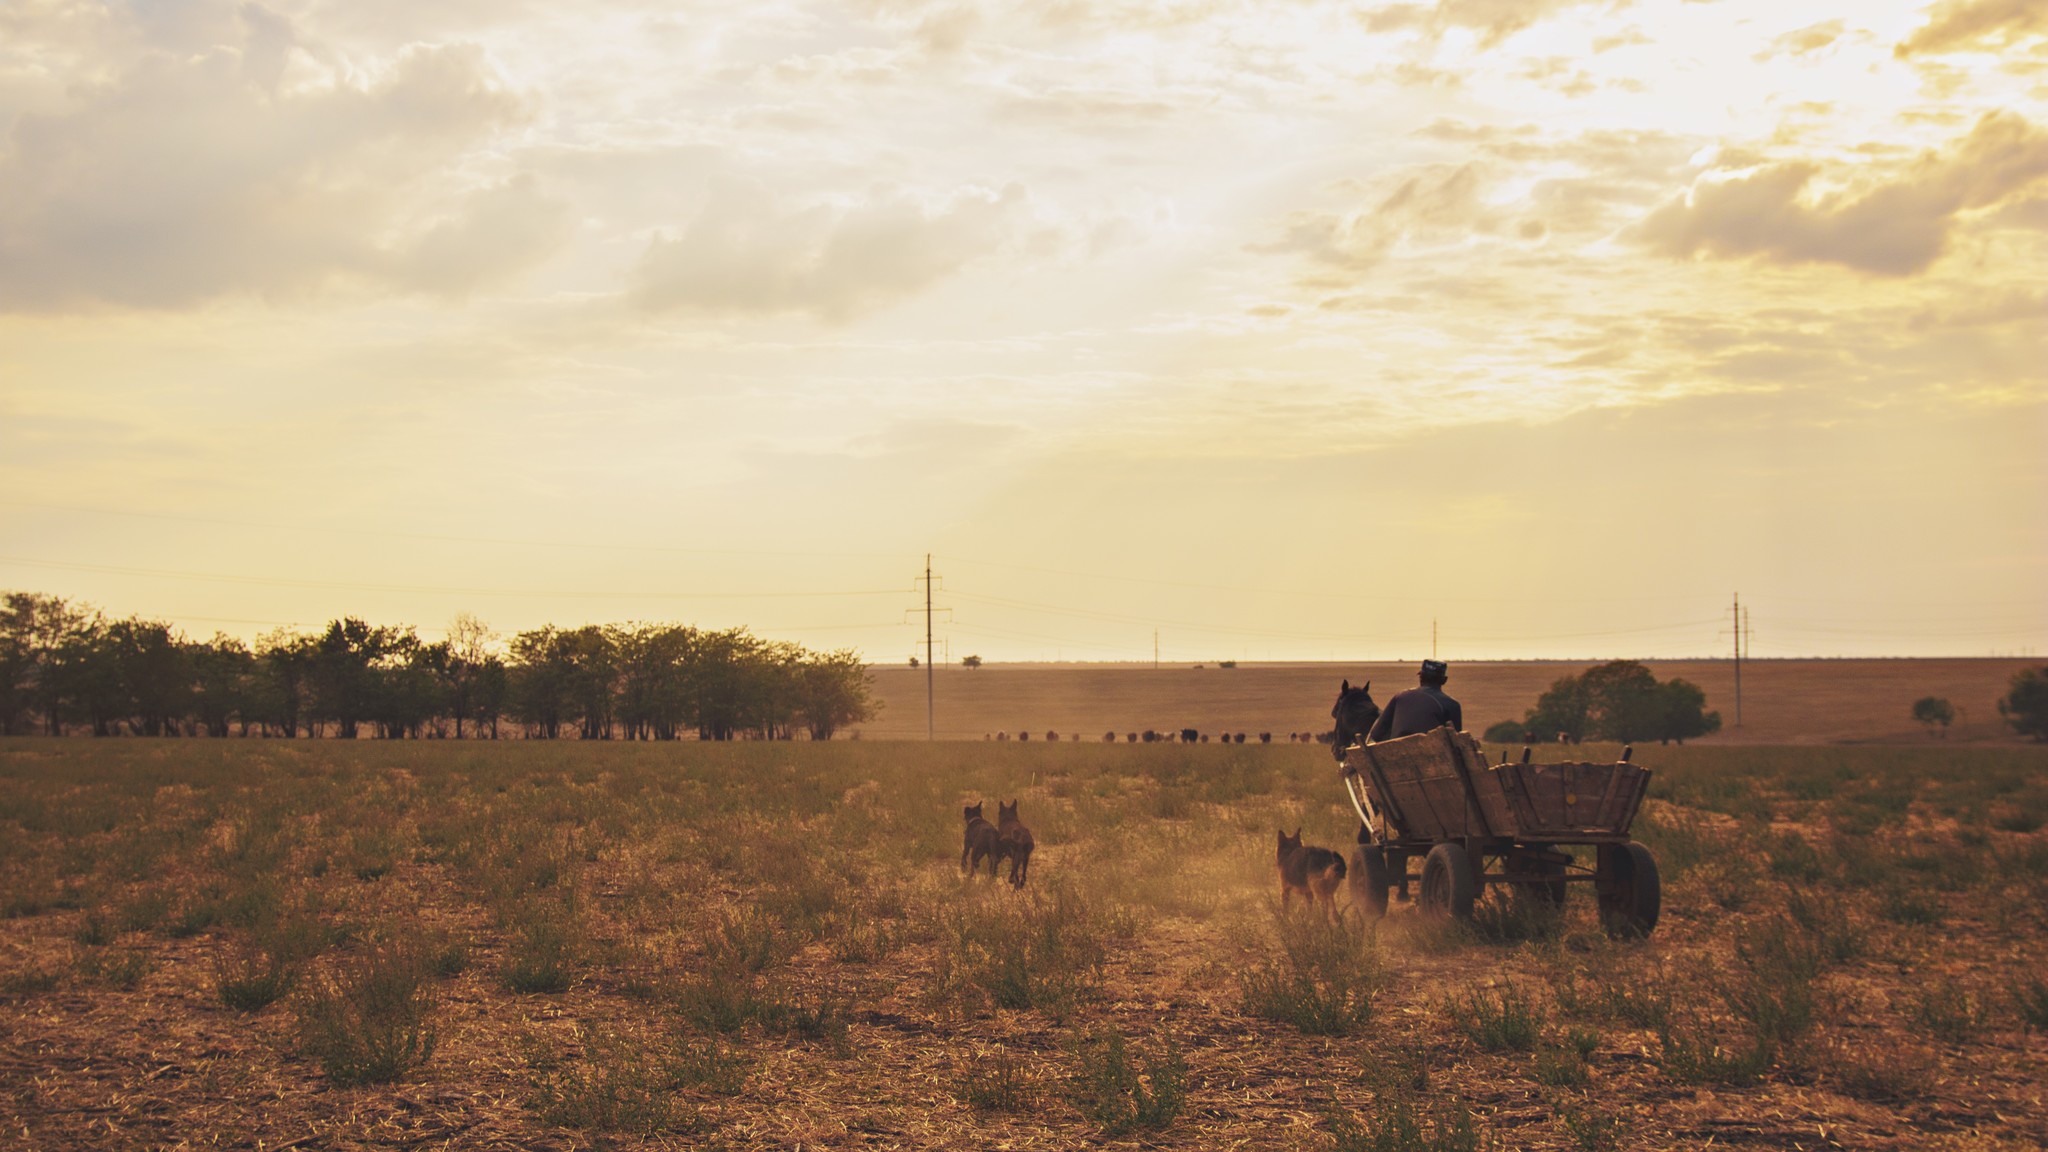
982, 840
1014, 841
1313, 872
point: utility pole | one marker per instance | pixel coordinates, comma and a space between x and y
1738, 659
928, 684
1155, 649
1432, 637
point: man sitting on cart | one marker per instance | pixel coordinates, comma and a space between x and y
1420, 709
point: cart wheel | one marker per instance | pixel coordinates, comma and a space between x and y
1448, 885
1370, 878
1630, 895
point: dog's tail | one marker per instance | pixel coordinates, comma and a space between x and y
1337, 866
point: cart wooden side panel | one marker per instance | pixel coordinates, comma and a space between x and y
1578, 801
1434, 786
1437, 786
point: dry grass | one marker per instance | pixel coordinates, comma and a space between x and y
535, 946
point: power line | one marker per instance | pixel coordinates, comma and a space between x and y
599, 545
365, 586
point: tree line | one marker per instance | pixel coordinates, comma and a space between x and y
67, 668
1620, 701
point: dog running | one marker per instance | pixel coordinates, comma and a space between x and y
980, 842
1314, 872
1014, 841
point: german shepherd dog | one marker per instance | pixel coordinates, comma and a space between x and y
1313, 872
982, 840
1014, 841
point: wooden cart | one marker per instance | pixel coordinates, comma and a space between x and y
1434, 796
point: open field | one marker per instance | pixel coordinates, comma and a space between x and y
1784, 701
329, 944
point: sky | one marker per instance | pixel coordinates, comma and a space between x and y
1285, 330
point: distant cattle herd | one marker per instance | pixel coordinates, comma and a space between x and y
1174, 736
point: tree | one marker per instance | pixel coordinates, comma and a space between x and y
343, 671
222, 678
283, 691
1507, 732
835, 692
2025, 707
1935, 712
1562, 712
1682, 712
468, 650
1624, 702
1620, 701
542, 670
35, 632
971, 661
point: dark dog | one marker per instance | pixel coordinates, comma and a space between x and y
982, 840
1014, 842
1313, 872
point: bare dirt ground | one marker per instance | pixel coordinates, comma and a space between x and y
1783, 701
247, 944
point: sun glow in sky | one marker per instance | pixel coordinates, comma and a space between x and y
1283, 328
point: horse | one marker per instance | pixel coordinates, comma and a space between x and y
1354, 713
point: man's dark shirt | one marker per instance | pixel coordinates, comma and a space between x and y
1417, 710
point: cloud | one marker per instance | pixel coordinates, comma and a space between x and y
1800, 42
1963, 25
1493, 20
186, 177
495, 233
1432, 200
833, 260
1895, 228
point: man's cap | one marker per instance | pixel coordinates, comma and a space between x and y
1435, 670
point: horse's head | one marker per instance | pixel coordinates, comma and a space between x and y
1354, 713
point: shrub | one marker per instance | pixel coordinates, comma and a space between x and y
112, 968
93, 931
2030, 1000
1560, 1068
1948, 1012
1399, 1126
1909, 905
1505, 1019
996, 1082
709, 1065
1591, 1130
1323, 980
617, 1087
448, 957
251, 978
541, 957
749, 939
143, 912
719, 1001
2025, 706
29, 981
1044, 951
1689, 1052
1109, 1090
1772, 985
1826, 922
371, 1020
1888, 1071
